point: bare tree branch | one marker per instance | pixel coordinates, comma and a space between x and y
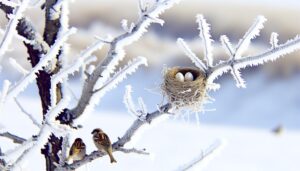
14, 138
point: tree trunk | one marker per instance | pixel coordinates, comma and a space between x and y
51, 30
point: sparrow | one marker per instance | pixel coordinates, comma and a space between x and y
77, 151
278, 130
103, 143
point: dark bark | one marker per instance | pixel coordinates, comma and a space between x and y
51, 30
2, 162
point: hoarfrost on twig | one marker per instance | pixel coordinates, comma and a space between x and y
236, 61
11, 27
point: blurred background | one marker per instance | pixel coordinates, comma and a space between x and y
260, 123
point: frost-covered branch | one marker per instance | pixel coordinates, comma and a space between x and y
116, 53
127, 99
250, 34
274, 40
64, 152
125, 26
129, 134
133, 150
48, 127
122, 74
206, 38
23, 83
138, 123
188, 52
269, 55
53, 111
227, 45
9, 3
75, 66
236, 61
143, 107
42, 137
23, 39
4, 92
33, 41
11, 27
97, 154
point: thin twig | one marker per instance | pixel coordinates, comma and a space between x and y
14, 138
133, 150
11, 27
205, 154
34, 121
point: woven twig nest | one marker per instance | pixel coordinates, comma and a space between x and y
187, 93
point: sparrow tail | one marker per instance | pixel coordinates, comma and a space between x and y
112, 159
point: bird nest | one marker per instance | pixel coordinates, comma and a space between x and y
185, 93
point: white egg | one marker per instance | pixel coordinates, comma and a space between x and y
188, 77
179, 77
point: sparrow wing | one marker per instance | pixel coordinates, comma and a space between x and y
81, 145
71, 152
104, 140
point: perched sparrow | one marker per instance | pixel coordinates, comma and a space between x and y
103, 143
77, 151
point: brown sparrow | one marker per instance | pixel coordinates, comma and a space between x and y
77, 151
103, 143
